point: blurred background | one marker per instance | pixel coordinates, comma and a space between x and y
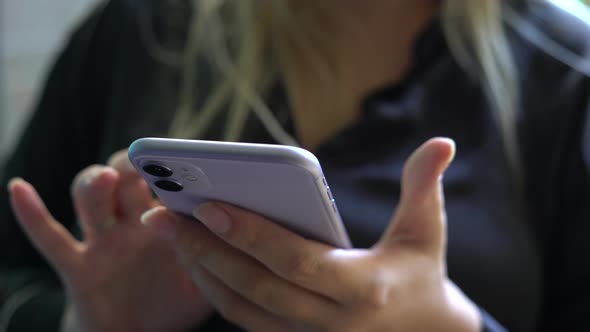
31, 32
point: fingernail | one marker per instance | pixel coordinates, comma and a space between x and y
159, 221
13, 182
453, 146
213, 217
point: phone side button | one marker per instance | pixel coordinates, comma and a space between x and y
334, 206
329, 193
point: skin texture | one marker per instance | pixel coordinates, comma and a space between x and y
265, 278
121, 277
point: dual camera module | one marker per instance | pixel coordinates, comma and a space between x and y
163, 172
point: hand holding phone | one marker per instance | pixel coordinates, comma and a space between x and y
284, 184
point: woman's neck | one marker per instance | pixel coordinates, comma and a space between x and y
371, 45
375, 39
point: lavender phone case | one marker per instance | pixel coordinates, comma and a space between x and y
285, 184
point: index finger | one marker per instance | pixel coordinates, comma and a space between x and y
315, 266
48, 235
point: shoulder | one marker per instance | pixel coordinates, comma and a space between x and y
105, 18
551, 44
550, 41
553, 26
119, 17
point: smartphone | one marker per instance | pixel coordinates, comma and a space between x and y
283, 183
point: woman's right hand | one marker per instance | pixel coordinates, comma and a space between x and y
121, 277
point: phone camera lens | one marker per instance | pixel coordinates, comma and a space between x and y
158, 170
169, 185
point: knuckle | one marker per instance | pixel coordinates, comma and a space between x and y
250, 239
350, 327
248, 234
335, 328
116, 157
377, 292
230, 309
84, 190
84, 177
86, 183
266, 293
343, 324
196, 248
260, 290
121, 163
191, 251
301, 311
301, 268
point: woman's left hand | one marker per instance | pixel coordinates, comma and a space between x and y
266, 278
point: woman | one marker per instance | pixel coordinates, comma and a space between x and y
359, 84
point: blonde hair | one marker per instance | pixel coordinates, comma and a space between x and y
244, 47
476, 36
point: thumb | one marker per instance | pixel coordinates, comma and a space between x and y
420, 219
